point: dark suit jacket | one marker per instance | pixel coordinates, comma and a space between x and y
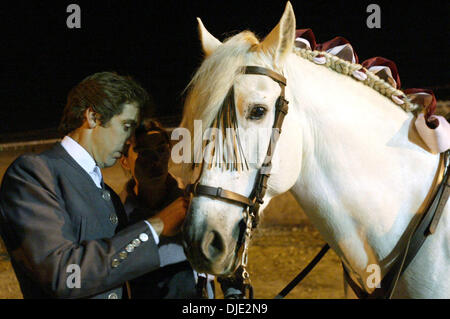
53, 215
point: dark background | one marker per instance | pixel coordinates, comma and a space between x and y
157, 43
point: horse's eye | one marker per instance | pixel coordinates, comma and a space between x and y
257, 112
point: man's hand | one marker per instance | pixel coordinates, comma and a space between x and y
168, 222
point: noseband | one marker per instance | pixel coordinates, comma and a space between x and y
251, 204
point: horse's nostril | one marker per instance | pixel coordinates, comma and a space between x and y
213, 245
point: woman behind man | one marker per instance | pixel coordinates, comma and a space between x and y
151, 187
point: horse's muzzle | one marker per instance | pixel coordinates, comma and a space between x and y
206, 247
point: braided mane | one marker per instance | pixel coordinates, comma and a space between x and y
348, 68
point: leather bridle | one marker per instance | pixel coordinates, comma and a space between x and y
251, 204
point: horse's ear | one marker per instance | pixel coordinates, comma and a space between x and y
209, 42
280, 41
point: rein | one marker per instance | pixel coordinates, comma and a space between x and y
251, 203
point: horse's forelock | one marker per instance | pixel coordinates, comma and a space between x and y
216, 75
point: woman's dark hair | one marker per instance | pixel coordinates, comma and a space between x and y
147, 125
106, 93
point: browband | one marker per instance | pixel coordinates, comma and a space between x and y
263, 71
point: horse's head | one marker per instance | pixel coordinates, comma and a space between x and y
235, 109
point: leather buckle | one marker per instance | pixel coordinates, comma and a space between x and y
218, 192
187, 190
194, 190
282, 105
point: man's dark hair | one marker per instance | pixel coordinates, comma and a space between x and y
106, 93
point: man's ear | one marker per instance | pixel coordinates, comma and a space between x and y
124, 163
90, 117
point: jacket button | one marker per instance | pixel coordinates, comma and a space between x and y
115, 263
106, 195
136, 242
129, 248
143, 237
113, 295
123, 255
113, 219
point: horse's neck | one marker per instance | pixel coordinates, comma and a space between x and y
363, 176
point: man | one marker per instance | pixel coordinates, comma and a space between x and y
63, 227
150, 188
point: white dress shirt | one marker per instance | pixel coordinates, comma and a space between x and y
85, 160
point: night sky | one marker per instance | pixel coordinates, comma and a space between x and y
157, 43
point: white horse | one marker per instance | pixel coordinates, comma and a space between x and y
350, 156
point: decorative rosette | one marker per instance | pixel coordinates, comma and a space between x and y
305, 39
433, 129
338, 46
385, 69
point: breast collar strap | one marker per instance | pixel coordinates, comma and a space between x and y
425, 227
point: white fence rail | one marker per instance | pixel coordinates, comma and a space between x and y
29, 144
24, 145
